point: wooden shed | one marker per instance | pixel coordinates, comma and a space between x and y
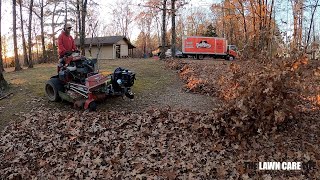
109, 47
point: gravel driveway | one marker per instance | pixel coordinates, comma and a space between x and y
155, 86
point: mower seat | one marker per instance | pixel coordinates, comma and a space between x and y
71, 68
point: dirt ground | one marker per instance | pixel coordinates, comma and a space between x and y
155, 86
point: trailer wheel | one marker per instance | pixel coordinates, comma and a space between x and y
52, 88
231, 58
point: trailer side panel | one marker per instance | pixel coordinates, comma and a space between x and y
204, 45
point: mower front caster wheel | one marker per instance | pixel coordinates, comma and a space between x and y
92, 106
129, 95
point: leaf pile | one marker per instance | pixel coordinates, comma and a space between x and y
201, 77
259, 97
156, 144
265, 99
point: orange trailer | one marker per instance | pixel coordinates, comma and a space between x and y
200, 47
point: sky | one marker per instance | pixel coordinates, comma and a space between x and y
6, 18
105, 14
6, 26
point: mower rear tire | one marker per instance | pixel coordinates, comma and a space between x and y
52, 88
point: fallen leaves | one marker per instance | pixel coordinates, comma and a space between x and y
166, 143
169, 143
258, 96
81, 145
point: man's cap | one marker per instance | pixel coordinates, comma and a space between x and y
68, 26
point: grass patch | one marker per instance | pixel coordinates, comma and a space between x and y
150, 74
32, 80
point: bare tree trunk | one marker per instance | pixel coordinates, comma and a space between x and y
295, 27
173, 21
66, 11
163, 38
265, 13
148, 41
83, 26
158, 29
261, 34
254, 23
44, 53
231, 28
223, 22
3, 82
315, 46
15, 44
36, 44
29, 35
244, 22
79, 19
1, 60
270, 30
55, 54
300, 23
310, 26
126, 22
297, 24
25, 55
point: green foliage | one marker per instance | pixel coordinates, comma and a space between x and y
211, 31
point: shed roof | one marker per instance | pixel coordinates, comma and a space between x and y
107, 40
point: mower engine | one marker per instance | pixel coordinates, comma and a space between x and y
76, 68
122, 80
79, 82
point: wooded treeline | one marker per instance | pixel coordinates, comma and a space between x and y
257, 27
36, 26
268, 27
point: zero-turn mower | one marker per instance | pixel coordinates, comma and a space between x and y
78, 81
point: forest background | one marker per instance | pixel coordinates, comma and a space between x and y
268, 27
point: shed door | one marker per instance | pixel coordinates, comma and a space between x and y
117, 51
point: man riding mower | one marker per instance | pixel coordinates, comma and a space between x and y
78, 81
